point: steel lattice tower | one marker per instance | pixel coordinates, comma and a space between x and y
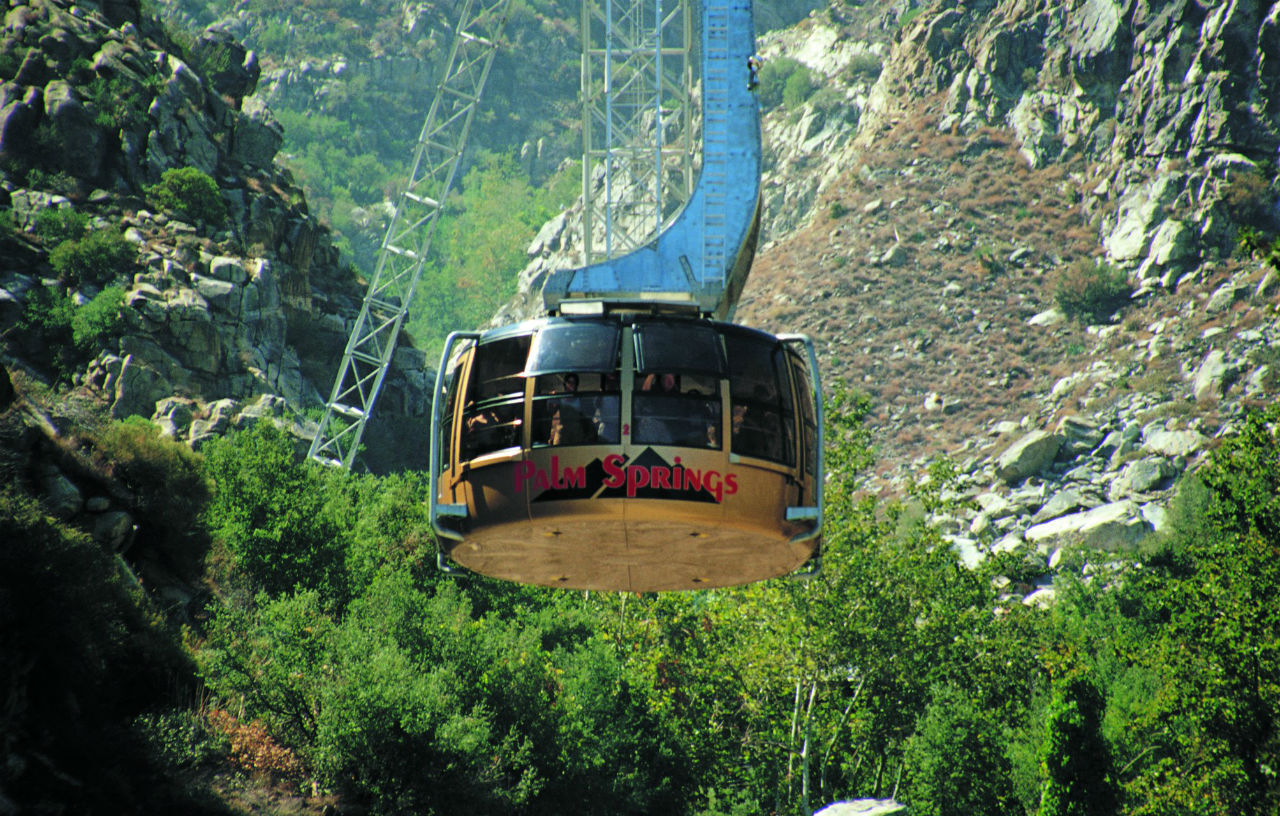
404, 249
638, 120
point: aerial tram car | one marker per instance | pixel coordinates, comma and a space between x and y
634, 438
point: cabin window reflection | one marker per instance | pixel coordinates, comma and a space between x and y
679, 349
762, 423
498, 369
491, 427
580, 347
676, 409
577, 409
446, 419
808, 411
493, 414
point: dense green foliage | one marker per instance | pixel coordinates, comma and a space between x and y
99, 257
168, 479
1075, 759
57, 224
1148, 688
190, 194
889, 674
66, 335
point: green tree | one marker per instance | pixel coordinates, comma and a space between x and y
190, 194
956, 759
1075, 759
1213, 731
269, 509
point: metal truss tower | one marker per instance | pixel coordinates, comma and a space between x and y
404, 248
638, 121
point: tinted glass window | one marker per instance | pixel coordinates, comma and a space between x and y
575, 347
585, 419
752, 372
490, 428
498, 369
575, 408
808, 413
763, 423
446, 420
674, 409
678, 348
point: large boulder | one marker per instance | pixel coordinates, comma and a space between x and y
233, 70
18, 120
82, 141
1114, 526
137, 389
258, 135
1028, 456
1213, 377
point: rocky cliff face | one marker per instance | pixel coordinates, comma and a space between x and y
1172, 102
224, 323
1002, 145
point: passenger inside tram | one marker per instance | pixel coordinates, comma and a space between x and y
756, 428
568, 424
667, 415
577, 409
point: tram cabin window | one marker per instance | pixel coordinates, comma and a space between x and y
677, 409
680, 349
577, 396
762, 423
491, 428
498, 368
446, 421
808, 411
577, 409
676, 398
580, 347
494, 411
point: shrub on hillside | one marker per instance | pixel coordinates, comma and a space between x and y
189, 194
784, 81
98, 320
65, 335
168, 484
865, 64
798, 88
1249, 200
55, 225
1090, 291
98, 257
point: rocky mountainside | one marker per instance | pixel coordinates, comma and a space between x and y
1004, 149
224, 323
